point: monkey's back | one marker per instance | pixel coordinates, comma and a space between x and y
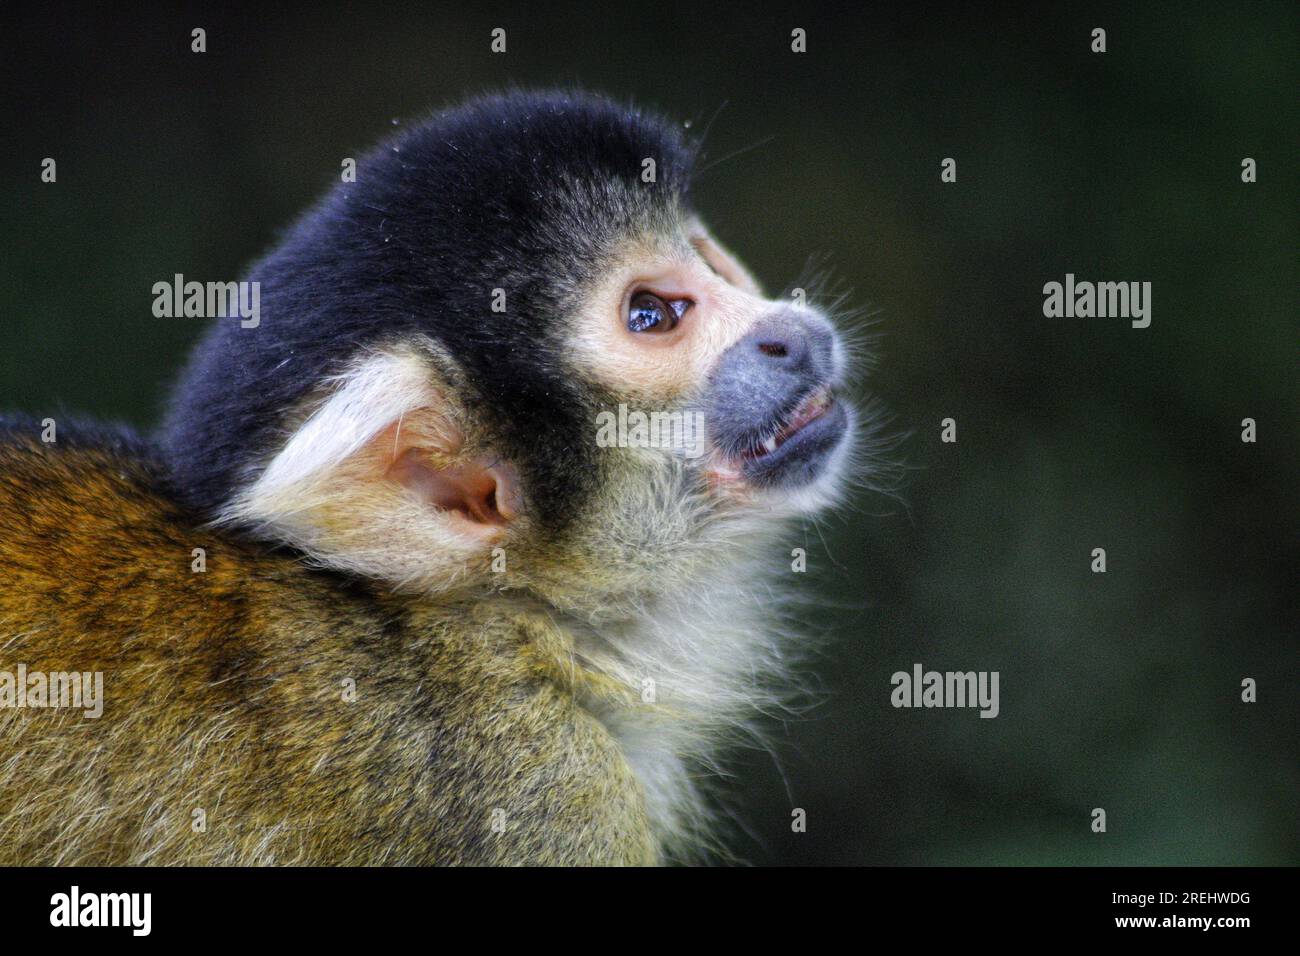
258, 711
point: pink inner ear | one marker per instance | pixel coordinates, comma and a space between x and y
484, 493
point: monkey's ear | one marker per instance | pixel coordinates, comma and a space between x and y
478, 494
377, 481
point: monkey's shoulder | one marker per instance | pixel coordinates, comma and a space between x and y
74, 485
92, 543
75, 477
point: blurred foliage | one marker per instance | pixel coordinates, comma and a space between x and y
1119, 690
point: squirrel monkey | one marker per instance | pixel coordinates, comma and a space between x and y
406, 577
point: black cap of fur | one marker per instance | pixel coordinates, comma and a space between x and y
527, 192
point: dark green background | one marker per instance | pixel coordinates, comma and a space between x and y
1118, 690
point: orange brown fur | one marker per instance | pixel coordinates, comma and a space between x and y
224, 693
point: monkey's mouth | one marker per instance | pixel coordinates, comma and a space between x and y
793, 450
804, 414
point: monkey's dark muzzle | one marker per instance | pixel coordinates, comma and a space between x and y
771, 407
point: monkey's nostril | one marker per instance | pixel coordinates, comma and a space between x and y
774, 349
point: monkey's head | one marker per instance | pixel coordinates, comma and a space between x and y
513, 332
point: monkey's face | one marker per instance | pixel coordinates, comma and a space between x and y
743, 387
515, 360
714, 413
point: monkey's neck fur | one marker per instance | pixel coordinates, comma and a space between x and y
679, 675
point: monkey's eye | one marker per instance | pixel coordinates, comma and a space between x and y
647, 312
